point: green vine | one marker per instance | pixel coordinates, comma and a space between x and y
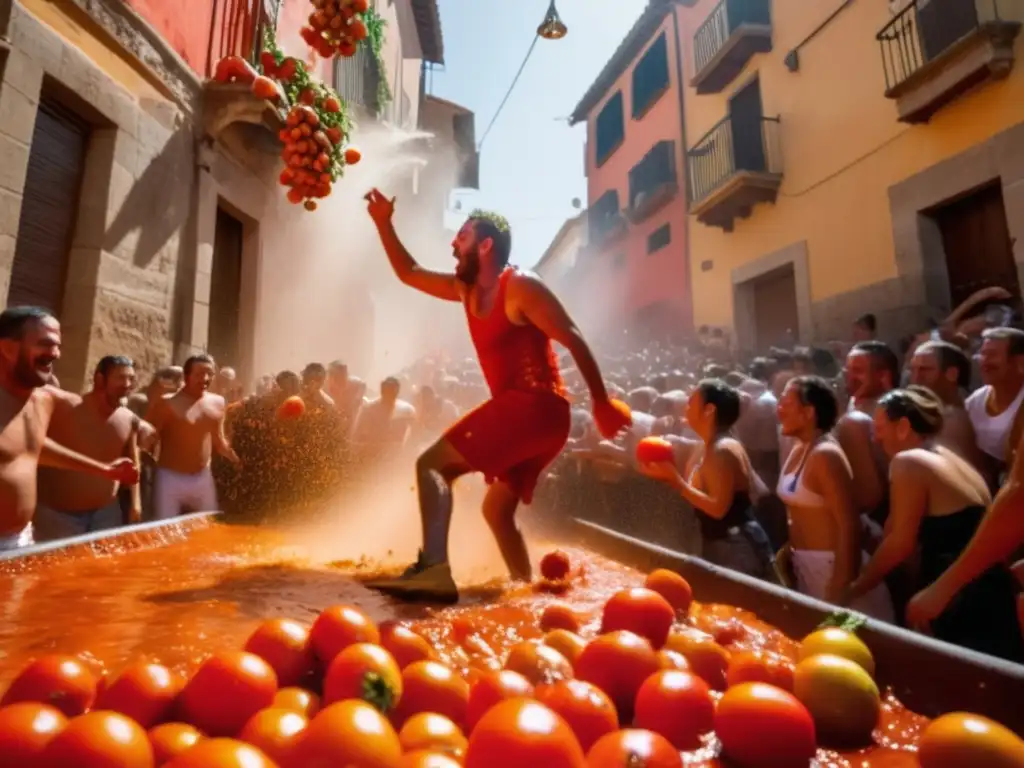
375, 26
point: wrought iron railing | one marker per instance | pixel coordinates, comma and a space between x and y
925, 29
356, 78
729, 148
237, 29
714, 32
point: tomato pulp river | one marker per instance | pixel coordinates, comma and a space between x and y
176, 595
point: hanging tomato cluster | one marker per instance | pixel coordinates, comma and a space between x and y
336, 27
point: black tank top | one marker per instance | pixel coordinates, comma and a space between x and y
739, 514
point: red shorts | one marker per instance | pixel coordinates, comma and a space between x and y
513, 437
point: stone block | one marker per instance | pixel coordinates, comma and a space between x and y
23, 75
41, 44
10, 212
7, 246
152, 135
17, 115
199, 333
142, 286
117, 105
13, 164
202, 287
121, 183
83, 268
79, 73
126, 152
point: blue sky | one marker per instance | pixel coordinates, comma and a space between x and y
531, 166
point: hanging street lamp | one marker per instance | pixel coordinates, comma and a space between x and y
552, 28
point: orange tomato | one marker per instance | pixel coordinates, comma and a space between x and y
676, 705
25, 731
101, 740
960, 738
566, 643
585, 707
144, 692
707, 658
265, 88
559, 616
432, 733
294, 406
364, 671
635, 748
491, 688
276, 733
221, 753
430, 686
674, 588
761, 725
673, 660
521, 732
350, 733
641, 611
226, 690
405, 645
538, 663
422, 759
338, 627
306, 703
352, 156
555, 565
284, 645
171, 739
63, 682
618, 663
654, 450
760, 667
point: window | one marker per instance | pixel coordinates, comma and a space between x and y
609, 129
659, 238
603, 215
650, 77
656, 169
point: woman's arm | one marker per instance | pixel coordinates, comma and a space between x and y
718, 473
830, 474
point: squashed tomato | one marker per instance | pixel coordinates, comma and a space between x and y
634, 748
26, 729
677, 705
63, 682
491, 688
762, 726
618, 663
284, 645
226, 690
585, 707
521, 732
100, 740
641, 611
144, 692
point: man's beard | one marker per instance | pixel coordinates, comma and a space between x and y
468, 269
26, 373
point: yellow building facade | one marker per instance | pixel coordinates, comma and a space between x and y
848, 157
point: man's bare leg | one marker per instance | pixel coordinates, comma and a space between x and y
437, 469
499, 510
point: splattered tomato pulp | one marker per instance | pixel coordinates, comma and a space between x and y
214, 608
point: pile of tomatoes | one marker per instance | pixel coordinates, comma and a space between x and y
312, 151
336, 27
345, 691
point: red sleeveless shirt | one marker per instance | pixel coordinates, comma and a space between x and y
513, 357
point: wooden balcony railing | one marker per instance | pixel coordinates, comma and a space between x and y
732, 147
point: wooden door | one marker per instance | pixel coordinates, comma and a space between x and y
747, 113
775, 316
226, 290
49, 208
976, 239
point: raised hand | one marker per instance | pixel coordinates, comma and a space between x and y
379, 206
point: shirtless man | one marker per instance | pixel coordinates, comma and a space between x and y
314, 377
227, 385
190, 426
98, 426
384, 424
166, 381
511, 438
29, 346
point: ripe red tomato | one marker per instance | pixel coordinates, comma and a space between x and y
294, 406
276, 733
338, 627
284, 645
762, 726
352, 155
101, 740
429, 686
221, 753
760, 667
585, 707
25, 731
364, 671
677, 705
405, 645
490, 689
350, 733
226, 690
306, 703
618, 663
63, 682
567, 643
521, 732
673, 587
423, 759
673, 660
707, 659
172, 739
635, 748
538, 663
427, 732
559, 616
654, 450
144, 692
555, 565
641, 611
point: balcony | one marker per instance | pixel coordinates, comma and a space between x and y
652, 182
605, 221
933, 51
357, 79
730, 36
733, 168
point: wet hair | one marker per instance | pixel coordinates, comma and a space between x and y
110, 362
487, 224
284, 377
14, 320
390, 381
1014, 338
726, 400
950, 356
824, 363
197, 360
921, 407
881, 355
867, 321
313, 369
815, 392
760, 369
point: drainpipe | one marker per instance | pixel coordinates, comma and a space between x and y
684, 170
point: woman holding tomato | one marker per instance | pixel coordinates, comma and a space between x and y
717, 480
938, 502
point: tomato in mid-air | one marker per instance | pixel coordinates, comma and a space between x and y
430, 686
523, 732
226, 690
172, 739
491, 688
618, 663
538, 663
641, 611
960, 739
276, 733
427, 732
634, 748
677, 705
654, 450
559, 616
284, 645
63, 682
101, 739
364, 671
306, 703
291, 408
144, 692
585, 707
338, 627
762, 726
221, 753
349, 733
673, 587
26, 729
555, 565
405, 645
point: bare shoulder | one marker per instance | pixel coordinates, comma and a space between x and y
914, 462
53, 399
854, 424
214, 402
828, 453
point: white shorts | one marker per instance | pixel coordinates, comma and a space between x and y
813, 568
175, 493
17, 540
